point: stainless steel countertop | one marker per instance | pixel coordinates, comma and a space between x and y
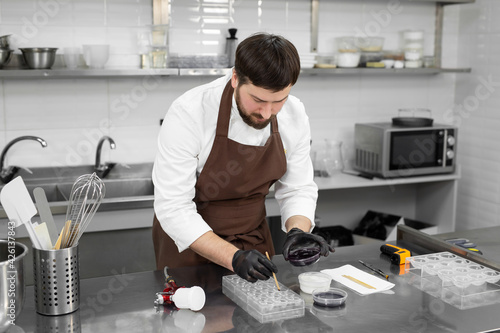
124, 303
486, 239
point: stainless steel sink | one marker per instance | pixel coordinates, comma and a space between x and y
115, 188
51, 191
127, 186
70, 173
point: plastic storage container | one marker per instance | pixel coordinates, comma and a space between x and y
371, 44
370, 57
348, 44
349, 54
326, 61
262, 300
413, 46
455, 280
329, 297
348, 59
310, 281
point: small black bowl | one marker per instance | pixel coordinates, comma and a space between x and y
304, 256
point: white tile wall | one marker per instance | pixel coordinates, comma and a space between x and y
477, 114
72, 114
74, 23
373, 18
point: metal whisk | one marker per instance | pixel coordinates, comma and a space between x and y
86, 196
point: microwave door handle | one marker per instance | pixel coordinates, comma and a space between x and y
445, 140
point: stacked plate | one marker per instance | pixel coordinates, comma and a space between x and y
307, 60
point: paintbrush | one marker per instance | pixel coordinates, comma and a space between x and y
274, 275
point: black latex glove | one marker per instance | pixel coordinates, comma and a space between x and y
252, 265
297, 239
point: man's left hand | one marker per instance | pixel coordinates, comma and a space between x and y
297, 239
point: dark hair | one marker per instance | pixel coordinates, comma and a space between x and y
267, 61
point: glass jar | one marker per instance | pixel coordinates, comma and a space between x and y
327, 158
428, 61
348, 44
413, 45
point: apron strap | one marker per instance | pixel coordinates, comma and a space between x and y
226, 102
274, 125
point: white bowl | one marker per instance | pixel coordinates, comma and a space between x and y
96, 56
388, 63
307, 65
348, 59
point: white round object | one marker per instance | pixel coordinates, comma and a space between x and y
313, 280
307, 64
413, 55
348, 59
399, 64
388, 63
189, 298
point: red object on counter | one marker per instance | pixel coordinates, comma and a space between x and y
165, 296
181, 297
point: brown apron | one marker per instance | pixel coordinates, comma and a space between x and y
230, 192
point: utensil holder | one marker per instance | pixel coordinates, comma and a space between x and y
68, 323
56, 280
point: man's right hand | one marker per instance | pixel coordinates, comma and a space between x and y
252, 265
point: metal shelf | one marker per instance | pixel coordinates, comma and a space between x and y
382, 71
63, 73
446, 2
203, 71
111, 73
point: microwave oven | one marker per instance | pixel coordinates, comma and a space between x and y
388, 151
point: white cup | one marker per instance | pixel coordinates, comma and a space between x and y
96, 56
71, 57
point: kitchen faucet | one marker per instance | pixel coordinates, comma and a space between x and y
103, 169
6, 174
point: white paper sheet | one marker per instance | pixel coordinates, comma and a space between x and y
349, 270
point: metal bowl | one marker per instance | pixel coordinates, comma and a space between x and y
39, 57
5, 56
4, 41
11, 281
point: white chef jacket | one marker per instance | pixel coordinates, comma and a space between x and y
184, 144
